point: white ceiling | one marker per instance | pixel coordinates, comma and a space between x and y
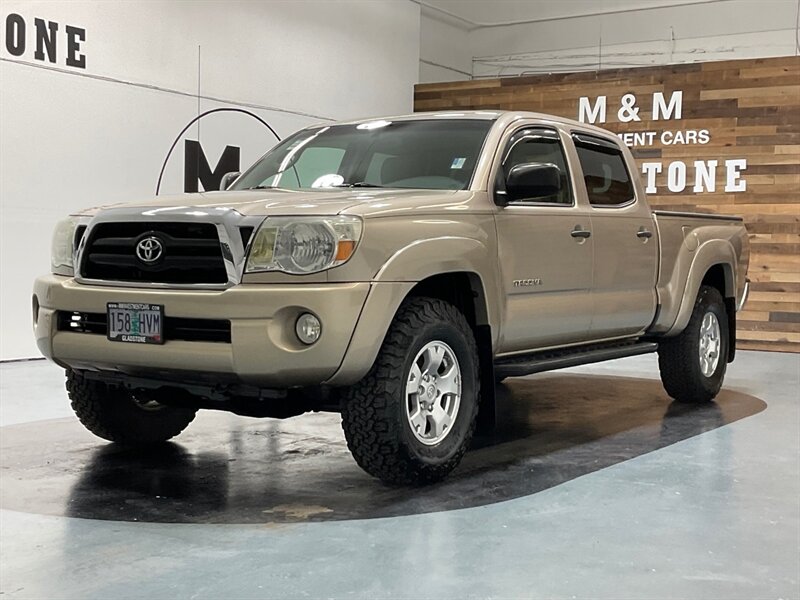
477, 13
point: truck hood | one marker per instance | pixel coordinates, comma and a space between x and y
360, 201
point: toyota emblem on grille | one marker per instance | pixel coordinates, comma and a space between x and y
149, 249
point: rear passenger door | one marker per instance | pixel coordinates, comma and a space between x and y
545, 251
625, 246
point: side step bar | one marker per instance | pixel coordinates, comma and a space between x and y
537, 362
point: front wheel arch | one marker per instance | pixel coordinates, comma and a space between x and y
465, 288
373, 410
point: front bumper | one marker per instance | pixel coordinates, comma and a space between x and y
263, 350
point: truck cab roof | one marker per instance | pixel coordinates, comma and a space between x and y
503, 117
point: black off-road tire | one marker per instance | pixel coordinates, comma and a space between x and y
374, 410
678, 357
113, 414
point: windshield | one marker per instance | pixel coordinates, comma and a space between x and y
428, 154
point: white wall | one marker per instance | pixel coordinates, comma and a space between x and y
722, 30
444, 53
71, 138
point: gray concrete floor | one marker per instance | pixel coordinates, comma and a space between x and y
586, 492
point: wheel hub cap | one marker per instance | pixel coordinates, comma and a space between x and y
433, 393
709, 344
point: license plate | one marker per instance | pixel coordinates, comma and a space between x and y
135, 323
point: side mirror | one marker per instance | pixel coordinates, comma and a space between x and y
530, 181
228, 179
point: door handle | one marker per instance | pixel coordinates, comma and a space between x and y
644, 233
580, 232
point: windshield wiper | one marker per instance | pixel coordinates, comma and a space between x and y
358, 184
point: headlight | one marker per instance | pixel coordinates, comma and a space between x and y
62, 247
301, 245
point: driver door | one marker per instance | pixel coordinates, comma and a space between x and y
545, 260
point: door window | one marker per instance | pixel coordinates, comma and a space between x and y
536, 146
604, 173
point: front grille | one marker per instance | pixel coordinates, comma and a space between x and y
246, 233
82, 322
191, 253
79, 231
175, 328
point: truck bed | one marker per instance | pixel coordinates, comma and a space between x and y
690, 243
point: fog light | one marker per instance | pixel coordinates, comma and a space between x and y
308, 328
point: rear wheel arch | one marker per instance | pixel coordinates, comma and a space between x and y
713, 265
680, 358
720, 276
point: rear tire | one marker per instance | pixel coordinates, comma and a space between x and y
401, 436
693, 363
116, 415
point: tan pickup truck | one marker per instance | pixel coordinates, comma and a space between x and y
392, 270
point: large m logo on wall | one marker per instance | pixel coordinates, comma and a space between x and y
221, 125
196, 168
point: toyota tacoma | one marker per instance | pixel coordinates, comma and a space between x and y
394, 271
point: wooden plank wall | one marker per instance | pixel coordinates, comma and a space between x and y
751, 110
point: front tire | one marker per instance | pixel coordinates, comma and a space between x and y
116, 415
412, 417
693, 363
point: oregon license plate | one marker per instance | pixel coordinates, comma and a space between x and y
135, 322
